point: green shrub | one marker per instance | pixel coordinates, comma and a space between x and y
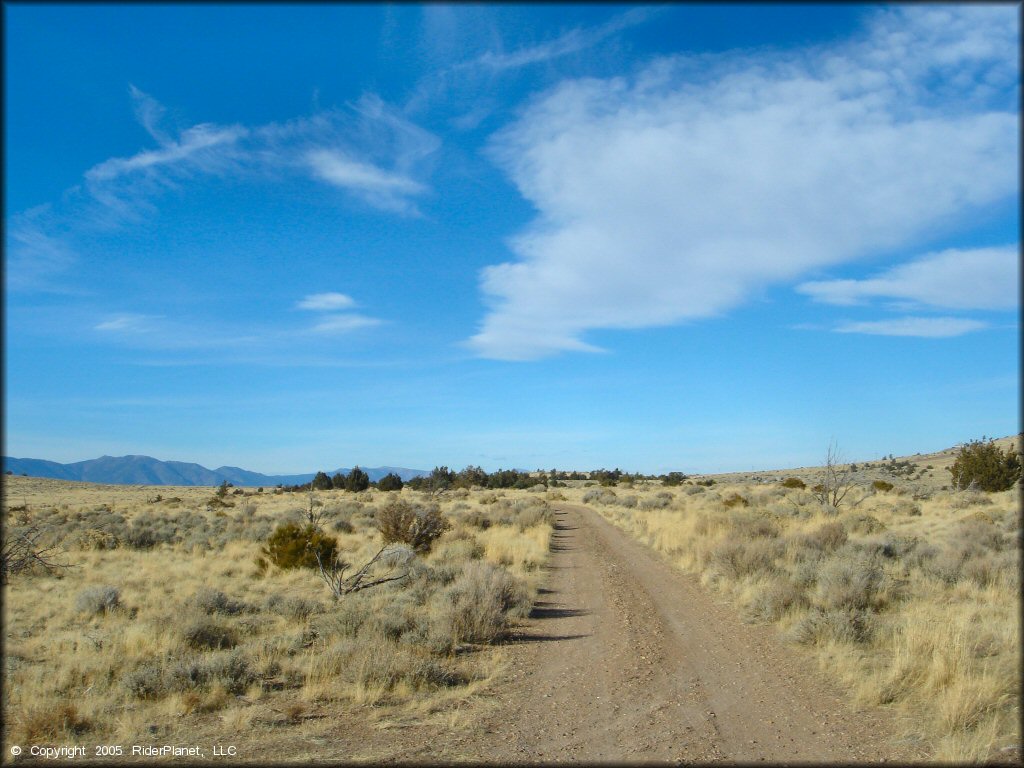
294, 546
881, 485
793, 482
982, 465
735, 500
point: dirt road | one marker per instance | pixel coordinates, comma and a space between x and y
627, 659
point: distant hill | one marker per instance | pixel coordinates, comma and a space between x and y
145, 470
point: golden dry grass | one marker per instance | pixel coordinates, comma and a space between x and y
166, 626
912, 602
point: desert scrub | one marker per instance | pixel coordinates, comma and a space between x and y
204, 634
912, 603
296, 546
481, 602
209, 600
93, 600
418, 526
203, 629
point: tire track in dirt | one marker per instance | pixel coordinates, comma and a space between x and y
625, 658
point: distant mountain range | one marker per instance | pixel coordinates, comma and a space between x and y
145, 470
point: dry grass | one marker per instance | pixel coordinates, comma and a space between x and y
167, 626
912, 603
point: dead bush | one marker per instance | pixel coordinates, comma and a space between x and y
210, 601
207, 635
93, 600
826, 538
50, 723
735, 500
145, 681
844, 625
863, 523
773, 599
750, 526
418, 527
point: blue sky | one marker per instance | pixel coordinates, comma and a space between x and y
683, 237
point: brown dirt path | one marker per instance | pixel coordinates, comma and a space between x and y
627, 659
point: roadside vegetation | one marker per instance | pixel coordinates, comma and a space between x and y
174, 609
909, 597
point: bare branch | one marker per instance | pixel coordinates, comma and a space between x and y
21, 552
315, 516
837, 482
340, 585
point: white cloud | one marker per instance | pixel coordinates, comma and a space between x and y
675, 194
344, 323
980, 278
924, 327
326, 302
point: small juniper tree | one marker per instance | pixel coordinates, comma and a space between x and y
357, 480
980, 464
322, 482
390, 482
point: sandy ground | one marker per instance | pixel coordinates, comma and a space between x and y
626, 659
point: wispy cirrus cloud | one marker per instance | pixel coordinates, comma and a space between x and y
326, 302
676, 193
977, 278
129, 323
159, 332
383, 189
36, 251
573, 41
202, 147
469, 80
368, 150
921, 327
335, 322
344, 323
